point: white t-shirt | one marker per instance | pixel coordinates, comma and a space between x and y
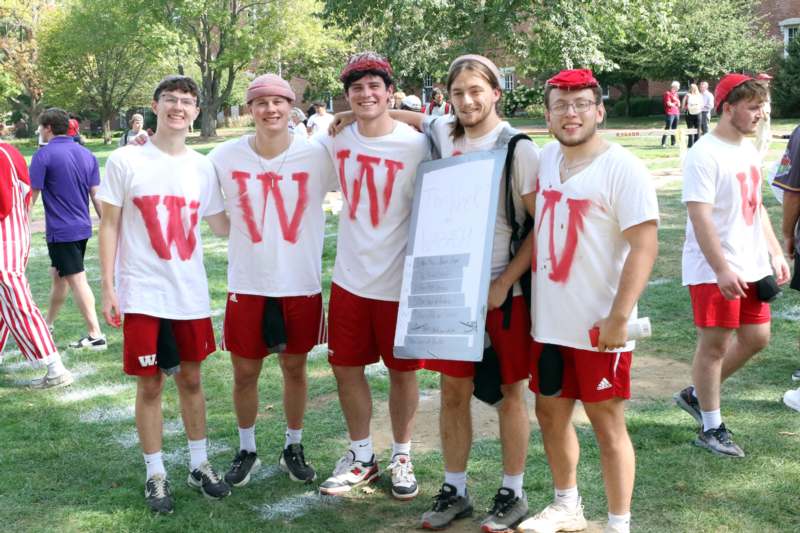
277, 222
159, 270
376, 177
580, 249
526, 166
319, 123
728, 176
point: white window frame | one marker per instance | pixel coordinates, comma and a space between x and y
509, 81
427, 87
789, 26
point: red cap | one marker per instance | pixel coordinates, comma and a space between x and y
763, 76
573, 79
269, 85
366, 61
728, 83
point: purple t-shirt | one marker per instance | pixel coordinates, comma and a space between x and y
65, 171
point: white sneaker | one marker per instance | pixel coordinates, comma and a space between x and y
792, 399
51, 382
404, 483
616, 529
553, 518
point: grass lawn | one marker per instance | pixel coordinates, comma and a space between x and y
70, 459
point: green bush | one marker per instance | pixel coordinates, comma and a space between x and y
522, 100
786, 86
641, 106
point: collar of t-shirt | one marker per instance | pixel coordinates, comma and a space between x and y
366, 140
480, 143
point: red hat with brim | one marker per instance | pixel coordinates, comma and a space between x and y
366, 61
573, 79
728, 83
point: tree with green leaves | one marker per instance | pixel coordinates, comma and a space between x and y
101, 56
786, 86
19, 54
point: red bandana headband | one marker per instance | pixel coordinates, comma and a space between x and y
573, 79
366, 61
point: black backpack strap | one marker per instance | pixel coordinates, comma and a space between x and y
517, 232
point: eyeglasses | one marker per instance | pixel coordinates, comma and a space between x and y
185, 102
580, 106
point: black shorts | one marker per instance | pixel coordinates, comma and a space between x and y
67, 257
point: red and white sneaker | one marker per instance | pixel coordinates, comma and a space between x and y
349, 474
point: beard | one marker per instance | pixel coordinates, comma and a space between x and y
474, 120
575, 141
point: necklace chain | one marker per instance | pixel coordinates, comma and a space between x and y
259, 158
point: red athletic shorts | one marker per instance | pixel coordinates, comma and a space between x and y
712, 310
361, 331
195, 339
589, 376
513, 346
303, 318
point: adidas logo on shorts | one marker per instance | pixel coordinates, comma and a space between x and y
604, 384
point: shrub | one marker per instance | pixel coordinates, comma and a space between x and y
786, 86
522, 100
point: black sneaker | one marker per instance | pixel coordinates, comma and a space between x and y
244, 464
507, 511
157, 494
718, 441
447, 506
686, 401
208, 482
97, 344
293, 462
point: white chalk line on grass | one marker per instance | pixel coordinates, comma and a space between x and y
659, 281
78, 395
790, 313
293, 507
103, 414
129, 439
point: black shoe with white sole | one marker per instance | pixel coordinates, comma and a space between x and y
293, 462
244, 464
207, 481
96, 344
158, 495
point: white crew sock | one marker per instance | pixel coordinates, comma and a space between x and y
622, 522
55, 367
568, 498
293, 436
362, 449
458, 480
514, 483
154, 462
401, 448
711, 419
247, 439
198, 453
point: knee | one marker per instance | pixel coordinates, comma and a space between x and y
456, 393
149, 388
756, 343
189, 382
294, 368
348, 375
513, 396
245, 380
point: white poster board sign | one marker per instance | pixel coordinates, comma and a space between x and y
447, 267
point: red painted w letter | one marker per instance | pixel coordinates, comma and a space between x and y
750, 198
183, 239
366, 171
269, 182
560, 267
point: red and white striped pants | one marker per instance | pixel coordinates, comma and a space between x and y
21, 318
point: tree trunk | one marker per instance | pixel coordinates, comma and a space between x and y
208, 121
107, 128
628, 91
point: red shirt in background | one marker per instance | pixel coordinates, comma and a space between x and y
672, 104
74, 127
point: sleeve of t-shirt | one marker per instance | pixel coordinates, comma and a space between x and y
635, 200
215, 203
38, 170
789, 179
525, 167
699, 180
94, 179
429, 126
114, 188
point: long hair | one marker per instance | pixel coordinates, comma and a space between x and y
477, 68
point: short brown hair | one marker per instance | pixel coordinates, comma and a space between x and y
748, 90
484, 72
184, 84
597, 91
57, 119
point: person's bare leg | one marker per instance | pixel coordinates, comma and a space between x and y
295, 388
193, 402
750, 339
616, 452
559, 439
455, 422
355, 399
514, 427
712, 344
245, 389
84, 298
149, 421
58, 295
403, 403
